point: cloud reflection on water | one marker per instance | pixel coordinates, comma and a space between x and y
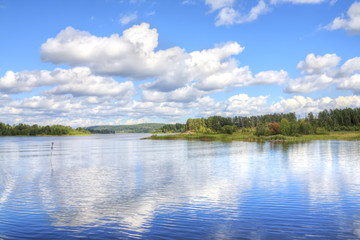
128, 184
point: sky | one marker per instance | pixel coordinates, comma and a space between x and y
97, 62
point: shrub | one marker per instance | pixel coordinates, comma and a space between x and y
261, 130
227, 129
321, 131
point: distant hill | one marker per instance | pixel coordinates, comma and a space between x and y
138, 128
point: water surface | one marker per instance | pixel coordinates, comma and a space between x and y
118, 186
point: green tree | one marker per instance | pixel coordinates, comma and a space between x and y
227, 129
261, 130
285, 127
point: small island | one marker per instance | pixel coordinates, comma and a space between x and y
336, 124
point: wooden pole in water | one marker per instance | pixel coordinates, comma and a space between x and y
52, 147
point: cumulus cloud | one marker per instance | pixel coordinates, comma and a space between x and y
352, 83
300, 105
75, 111
206, 106
303, 105
133, 55
177, 83
185, 94
83, 83
124, 55
77, 81
242, 104
27, 81
309, 83
42, 103
318, 64
245, 105
270, 77
351, 23
321, 72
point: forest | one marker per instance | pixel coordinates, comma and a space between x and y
286, 124
137, 128
35, 130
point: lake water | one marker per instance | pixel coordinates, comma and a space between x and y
121, 187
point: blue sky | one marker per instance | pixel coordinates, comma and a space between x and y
84, 63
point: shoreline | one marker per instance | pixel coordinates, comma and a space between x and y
66, 135
249, 137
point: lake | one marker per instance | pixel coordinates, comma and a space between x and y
120, 187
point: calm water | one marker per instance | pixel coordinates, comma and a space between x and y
117, 186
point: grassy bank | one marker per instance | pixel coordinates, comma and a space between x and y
250, 137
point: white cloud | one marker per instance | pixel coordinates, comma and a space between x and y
270, 77
350, 66
256, 11
242, 104
229, 16
128, 18
133, 55
177, 83
218, 4
299, 104
318, 64
310, 83
351, 23
185, 94
77, 81
345, 102
298, 1
4, 99
206, 106
134, 121
96, 87
68, 110
321, 72
27, 81
130, 55
304, 105
221, 80
82, 83
48, 105
352, 83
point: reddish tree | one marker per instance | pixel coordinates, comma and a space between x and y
274, 128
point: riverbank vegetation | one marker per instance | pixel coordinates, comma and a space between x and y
35, 130
340, 124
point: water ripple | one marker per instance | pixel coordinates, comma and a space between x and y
117, 186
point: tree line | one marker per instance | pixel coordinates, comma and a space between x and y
347, 119
288, 124
36, 130
171, 128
